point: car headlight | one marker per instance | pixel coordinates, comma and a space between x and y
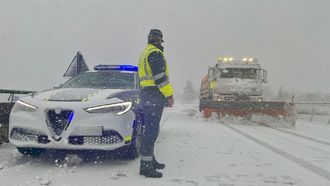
22, 106
118, 108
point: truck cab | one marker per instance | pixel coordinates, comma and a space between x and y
236, 80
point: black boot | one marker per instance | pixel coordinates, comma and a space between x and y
147, 169
158, 165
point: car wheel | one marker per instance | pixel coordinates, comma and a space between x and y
133, 150
30, 151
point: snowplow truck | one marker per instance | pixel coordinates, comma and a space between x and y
235, 87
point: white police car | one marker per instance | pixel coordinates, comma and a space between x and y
95, 110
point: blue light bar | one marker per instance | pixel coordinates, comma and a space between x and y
131, 68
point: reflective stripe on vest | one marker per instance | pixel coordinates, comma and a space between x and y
147, 158
160, 75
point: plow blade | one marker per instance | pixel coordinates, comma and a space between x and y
278, 110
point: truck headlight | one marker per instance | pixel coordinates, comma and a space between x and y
118, 108
22, 106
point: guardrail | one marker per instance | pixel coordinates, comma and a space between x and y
314, 109
13, 92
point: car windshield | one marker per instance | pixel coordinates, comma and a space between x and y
102, 80
242, 73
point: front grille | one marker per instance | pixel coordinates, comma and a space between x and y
109, 137
58, 122
43, 139
27, 135
101, 140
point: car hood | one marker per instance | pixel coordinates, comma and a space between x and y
75, 94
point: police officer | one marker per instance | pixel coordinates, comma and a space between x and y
156, 92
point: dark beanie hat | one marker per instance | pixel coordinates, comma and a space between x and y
155, 35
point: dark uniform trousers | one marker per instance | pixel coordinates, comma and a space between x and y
153, 102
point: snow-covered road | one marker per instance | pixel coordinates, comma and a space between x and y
225, 152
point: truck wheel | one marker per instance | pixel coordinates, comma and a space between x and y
31, 151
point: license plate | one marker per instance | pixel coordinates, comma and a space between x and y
87, 131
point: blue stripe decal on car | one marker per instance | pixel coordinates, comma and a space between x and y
70, 119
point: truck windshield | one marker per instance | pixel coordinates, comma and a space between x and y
102, 80
242, 73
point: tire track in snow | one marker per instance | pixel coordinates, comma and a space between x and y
317, 170
293, 133
300, 135
297, 140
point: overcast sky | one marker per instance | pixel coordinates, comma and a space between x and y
290, 38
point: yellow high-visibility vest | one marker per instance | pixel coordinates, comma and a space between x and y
145, 74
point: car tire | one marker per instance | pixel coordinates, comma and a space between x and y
133, 150
31, 151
